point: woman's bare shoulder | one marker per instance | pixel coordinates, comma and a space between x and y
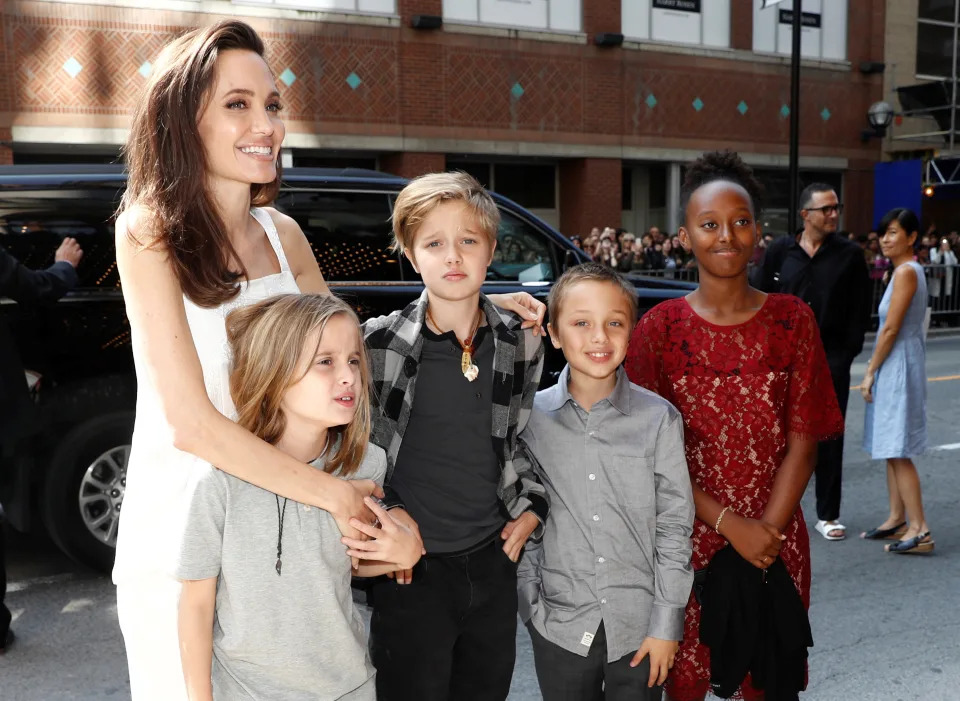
135, 228
287, 227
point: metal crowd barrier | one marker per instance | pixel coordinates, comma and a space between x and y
684, 274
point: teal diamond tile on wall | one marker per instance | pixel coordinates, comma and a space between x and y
353, 80
289, 76
824, 114
651, 101
517, 91
784, 111
697, 104
72, 67
145, 69
742, 107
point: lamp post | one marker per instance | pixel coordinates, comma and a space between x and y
879, 117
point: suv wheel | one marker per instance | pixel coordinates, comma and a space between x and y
84, 489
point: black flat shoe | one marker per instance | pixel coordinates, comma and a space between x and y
8, 642
883, 533
917, 544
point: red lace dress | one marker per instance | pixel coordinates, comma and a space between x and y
741, 389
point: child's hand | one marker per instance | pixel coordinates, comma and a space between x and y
392, 542
662, 654
405, 519
516, 533
757, 542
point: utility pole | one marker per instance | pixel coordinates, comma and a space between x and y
797, 20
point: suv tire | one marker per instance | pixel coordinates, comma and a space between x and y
84, 488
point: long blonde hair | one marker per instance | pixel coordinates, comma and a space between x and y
267, 340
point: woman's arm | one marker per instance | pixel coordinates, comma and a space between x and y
753, 539
163, 339
905, 278
791, 481
303, 263
198, 601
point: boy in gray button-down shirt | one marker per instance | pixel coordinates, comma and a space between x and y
604, 594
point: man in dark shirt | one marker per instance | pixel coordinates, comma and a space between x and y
23, 285
829, 273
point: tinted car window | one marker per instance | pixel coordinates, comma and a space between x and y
33, 224
523, 252
349, 232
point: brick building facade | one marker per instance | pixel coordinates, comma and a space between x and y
613, 125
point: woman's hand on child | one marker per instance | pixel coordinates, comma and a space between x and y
516, 532
662, 654
392, 542
524, 305
757, 542
401, 516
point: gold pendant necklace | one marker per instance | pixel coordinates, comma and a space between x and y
469, 370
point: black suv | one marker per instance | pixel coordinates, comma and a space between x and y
68, 473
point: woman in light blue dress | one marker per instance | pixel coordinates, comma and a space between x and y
895, 387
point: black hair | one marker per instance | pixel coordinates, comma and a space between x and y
905, 218
720, 165
806, 197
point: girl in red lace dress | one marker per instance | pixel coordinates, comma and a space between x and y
749, 375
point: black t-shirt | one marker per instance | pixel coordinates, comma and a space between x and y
446, 471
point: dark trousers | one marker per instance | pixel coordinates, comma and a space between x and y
451, 633
829, 471
565, 676
4, 611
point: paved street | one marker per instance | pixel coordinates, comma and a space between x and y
887, 627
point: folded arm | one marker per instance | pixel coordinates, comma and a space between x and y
162, 338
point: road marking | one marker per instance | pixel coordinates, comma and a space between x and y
15, 614
77, 605
27, 583
948, 446
942, 378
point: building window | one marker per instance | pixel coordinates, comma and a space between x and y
937, 45
548, 15
530, 185
371, 7
776, 195
698, 22
824, 33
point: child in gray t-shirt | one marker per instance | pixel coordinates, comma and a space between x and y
266, 610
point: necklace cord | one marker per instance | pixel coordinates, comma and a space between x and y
467, 345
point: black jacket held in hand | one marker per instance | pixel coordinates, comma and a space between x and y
754, 621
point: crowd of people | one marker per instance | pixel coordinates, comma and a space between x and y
624, 251
660, 254
653, 253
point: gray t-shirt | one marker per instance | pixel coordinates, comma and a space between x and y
292, 636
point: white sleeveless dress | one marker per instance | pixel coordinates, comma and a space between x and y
157, 476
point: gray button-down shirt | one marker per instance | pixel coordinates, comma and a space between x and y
617, 546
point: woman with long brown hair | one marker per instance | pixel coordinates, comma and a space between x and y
193, 243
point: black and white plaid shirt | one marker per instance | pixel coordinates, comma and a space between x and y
394, 344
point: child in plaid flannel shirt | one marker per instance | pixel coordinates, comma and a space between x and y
453, 385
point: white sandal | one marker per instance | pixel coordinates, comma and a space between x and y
825, 528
